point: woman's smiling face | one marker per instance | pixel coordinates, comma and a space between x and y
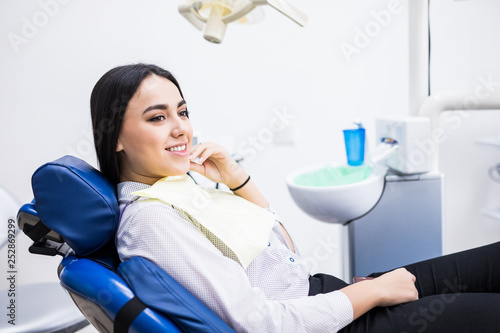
156, 134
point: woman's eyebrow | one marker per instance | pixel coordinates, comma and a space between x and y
156, 107
162, 106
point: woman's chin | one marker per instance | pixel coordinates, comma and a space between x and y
179, 171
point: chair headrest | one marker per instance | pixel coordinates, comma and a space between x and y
76, 201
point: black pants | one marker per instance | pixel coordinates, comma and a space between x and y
457, 293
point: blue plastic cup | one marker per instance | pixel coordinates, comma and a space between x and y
355, 146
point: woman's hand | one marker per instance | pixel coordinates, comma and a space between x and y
392, 288
216, 164
396, 287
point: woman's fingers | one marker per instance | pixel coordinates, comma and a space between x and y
397, 287
205, 154
215, 163
213, 152
199, 152
200, 168
212, 161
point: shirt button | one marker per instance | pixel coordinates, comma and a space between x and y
292, 260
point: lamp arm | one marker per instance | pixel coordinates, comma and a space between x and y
286, 9
239, 12
192, 16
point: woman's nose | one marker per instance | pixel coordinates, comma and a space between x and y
179, 128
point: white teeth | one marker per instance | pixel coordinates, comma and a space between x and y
178, 148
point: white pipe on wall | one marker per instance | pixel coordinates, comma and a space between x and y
452, 101
418, 29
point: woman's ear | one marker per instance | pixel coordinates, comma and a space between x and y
119, 146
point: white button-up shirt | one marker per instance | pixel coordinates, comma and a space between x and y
271, 295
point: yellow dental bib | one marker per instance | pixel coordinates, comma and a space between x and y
241, 225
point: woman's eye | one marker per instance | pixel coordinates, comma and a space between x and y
184, 113
157, 118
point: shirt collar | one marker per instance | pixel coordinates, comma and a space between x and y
125, 189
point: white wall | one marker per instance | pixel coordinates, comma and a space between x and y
234, 89
465, 57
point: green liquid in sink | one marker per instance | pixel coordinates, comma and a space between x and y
334, 176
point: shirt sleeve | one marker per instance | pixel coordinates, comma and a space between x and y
162, 235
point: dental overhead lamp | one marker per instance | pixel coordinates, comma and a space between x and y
213, 16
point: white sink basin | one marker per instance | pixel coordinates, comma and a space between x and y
336, 203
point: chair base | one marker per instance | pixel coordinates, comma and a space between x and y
97, 318
43, 308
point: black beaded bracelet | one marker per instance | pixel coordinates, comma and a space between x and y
237, 188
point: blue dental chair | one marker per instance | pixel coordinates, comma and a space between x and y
75, 214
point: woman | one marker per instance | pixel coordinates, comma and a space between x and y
142, 134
